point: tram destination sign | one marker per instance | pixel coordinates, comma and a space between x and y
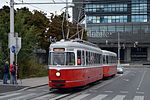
59, 49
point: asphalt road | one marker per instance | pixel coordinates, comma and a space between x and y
134, 84
9, 88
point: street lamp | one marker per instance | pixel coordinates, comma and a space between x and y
106, 42
118, 48
135, 44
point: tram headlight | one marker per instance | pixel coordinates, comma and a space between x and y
58, 74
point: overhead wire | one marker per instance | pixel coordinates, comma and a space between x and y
34, 6
53, 1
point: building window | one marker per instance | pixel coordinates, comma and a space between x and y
106, 8
120, 28
111, 28
128, 28
136, 29
139, 1
139, 18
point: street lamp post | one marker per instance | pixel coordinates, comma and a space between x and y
118, 48
11, 35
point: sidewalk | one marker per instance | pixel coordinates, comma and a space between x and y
30, 82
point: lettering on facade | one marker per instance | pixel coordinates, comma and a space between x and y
100, 34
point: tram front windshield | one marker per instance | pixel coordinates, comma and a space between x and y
62, 58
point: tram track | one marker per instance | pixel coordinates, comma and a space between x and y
55, 94
91, 87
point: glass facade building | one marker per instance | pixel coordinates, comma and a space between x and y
130, 18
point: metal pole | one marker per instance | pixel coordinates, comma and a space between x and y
78, 23
16, 52
67, 18
85, 22
11, 35
118, 48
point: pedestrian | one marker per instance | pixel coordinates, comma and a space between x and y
6, 72
13, 73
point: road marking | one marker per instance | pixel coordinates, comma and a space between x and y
58, 97
138, 98
1, 97
79, 97
108, 91
123, 91
140, 92
119, 97
22, 97
42, 97
141, 80
99, 97
108, 82
127, 80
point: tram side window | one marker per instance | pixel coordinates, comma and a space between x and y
91, 58
113, 59
87, 58
103, 59
99, 58
70, 60
79, 57
107, 59
83, 58
110, 59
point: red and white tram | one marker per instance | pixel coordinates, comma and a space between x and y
109, 63
74, 63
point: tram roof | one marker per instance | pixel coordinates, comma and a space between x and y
105, 52
75, 44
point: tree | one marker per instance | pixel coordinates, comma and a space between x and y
35, 29
4, 30
30, 26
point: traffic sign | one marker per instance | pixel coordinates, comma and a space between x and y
14, 42
13, 49
18, 44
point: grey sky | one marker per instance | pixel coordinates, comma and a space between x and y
47, 8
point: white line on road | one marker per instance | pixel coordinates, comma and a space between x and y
140, 92
1, 97
22, 97
119, 97
79, 97
138, 98
42, 97
99, 97
55, 98
141, 80
123, 91
108, 91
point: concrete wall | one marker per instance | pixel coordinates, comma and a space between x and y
148, 54
127, 55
